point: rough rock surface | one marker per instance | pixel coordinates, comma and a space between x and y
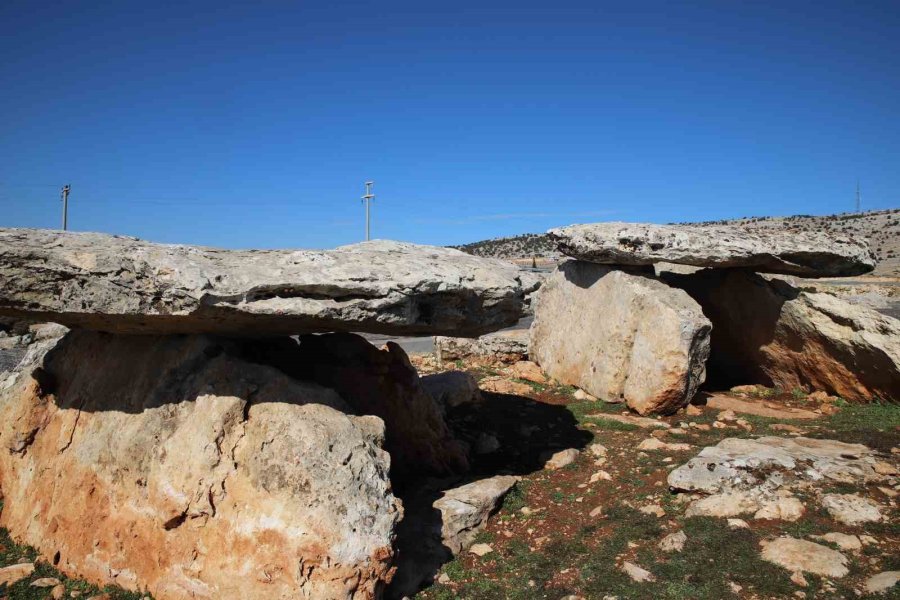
738, 462
125, 285
806, 254
437, 528
465, 509
805, 557
452, 388
759, 476
620, 335
175, 466
502, 346
382, 382
771, 333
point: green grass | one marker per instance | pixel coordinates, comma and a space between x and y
875, 425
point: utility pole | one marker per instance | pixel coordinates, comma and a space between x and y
64, 193
369, 195
857, 195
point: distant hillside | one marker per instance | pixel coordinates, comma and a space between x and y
523, 246
882, 228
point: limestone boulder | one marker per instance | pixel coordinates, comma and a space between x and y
452, 388
125, 285
620, 335
805, 254
501, 347
175, 466
771, 333
384, 383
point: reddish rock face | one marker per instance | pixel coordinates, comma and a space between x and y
771, 333
173, 466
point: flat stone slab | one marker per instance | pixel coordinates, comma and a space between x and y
806, 254
126, 285
759, 407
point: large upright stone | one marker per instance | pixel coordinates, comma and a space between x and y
125, 285
172, 465
621, 336
771, 333
805, 254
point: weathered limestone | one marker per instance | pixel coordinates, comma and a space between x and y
502, 346
806, 254
385, 384
452, 388
736, 463
620, 335
440, 524
804, 557
174, 465
759, 477
771, 333
125, 285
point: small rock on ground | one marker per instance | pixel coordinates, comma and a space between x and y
481, 549
674, 542
882, 582
851, 509
561, 459
637, 573
801, 555
13, 573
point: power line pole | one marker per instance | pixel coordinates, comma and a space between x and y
369, 195
65, 200
857, 195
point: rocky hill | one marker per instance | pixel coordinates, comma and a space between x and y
882, 228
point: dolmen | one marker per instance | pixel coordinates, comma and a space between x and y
211, 425
644, 314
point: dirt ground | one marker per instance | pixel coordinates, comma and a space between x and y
566, 533
561, 535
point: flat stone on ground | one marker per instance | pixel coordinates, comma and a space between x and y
804, 556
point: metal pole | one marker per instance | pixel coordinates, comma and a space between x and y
65, 198
369, 195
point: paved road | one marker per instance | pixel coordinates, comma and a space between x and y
425, 344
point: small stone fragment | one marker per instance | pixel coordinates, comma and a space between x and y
43, 582
851, 509
841, 540
882, 582
653, 509
481, 549
584, 396
674, 542
637, 573
561, 459
529, 371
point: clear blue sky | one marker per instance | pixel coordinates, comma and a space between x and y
255, 124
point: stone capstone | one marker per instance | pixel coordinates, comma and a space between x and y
125, 285
176, 466
805, 254
620, 335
